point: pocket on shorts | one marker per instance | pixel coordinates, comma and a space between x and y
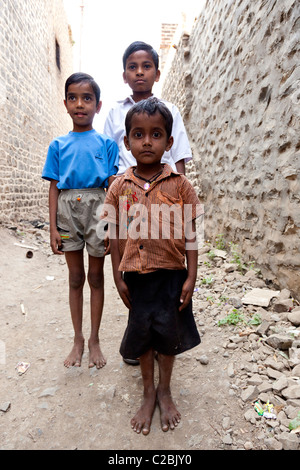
64, 233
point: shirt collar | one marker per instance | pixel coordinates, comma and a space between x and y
167, 171
129, 99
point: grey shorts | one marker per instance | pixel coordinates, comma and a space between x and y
78, 219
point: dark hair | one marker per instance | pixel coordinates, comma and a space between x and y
83, 77
150, 106
140, 46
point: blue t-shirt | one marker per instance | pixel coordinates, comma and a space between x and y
81, 160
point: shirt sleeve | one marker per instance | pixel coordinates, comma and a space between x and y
181, 148
51, 167
191, 203
108, 128
113, 157
110, 209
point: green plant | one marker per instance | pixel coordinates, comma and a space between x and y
207, 280
220, 242
236, 316
233, 318
207, 263
237, 257
223, 298
255, 320
211, 254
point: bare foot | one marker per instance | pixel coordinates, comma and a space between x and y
169, 415
75, 356
143, 418
96, 357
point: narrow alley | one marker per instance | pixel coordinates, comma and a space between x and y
239, 363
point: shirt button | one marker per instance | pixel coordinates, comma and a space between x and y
141, 247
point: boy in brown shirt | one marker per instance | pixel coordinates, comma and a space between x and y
151, 211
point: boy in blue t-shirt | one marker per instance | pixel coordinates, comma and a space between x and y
79, 166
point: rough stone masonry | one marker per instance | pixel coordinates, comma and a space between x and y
35, 60
236, 81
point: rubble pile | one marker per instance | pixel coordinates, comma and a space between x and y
258, 328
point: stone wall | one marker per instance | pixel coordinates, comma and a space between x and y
236, 81
35, 60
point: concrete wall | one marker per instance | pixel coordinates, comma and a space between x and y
236, 80
31, 100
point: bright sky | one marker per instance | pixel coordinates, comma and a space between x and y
104, 30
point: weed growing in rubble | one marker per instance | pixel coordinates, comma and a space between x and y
237, 257
255, 320
236, 316
207, 280
233, 318
220, 242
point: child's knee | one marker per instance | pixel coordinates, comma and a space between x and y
96, 280
76, 280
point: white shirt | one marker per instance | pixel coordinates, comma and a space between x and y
114, 127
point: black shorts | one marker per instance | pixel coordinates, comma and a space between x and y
154, 319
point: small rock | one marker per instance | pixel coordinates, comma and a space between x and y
229, 267
273, 444
264, 387
203, 360
231, 370
294, 317
5, 406
220, 253
250, 393
279, 341
49, 392
291, 392
251, 416
283, 305
237, 303
280, 384
251, 274
260, 297
284, 294
248, 445
227, 440
289, 441
294, 356
226, 423
255, 380
263, 328
296, 371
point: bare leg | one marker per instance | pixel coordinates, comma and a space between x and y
143, 418
96, 283
76, 282
169, 414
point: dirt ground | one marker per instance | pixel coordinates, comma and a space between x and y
52, 407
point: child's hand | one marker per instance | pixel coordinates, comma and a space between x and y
124, 293
56, 243
106, 246
186, 293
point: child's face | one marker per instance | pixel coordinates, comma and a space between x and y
81, 105
147, 138
140, 73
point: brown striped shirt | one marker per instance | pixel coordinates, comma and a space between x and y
152, 222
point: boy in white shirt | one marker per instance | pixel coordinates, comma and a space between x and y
141, 71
